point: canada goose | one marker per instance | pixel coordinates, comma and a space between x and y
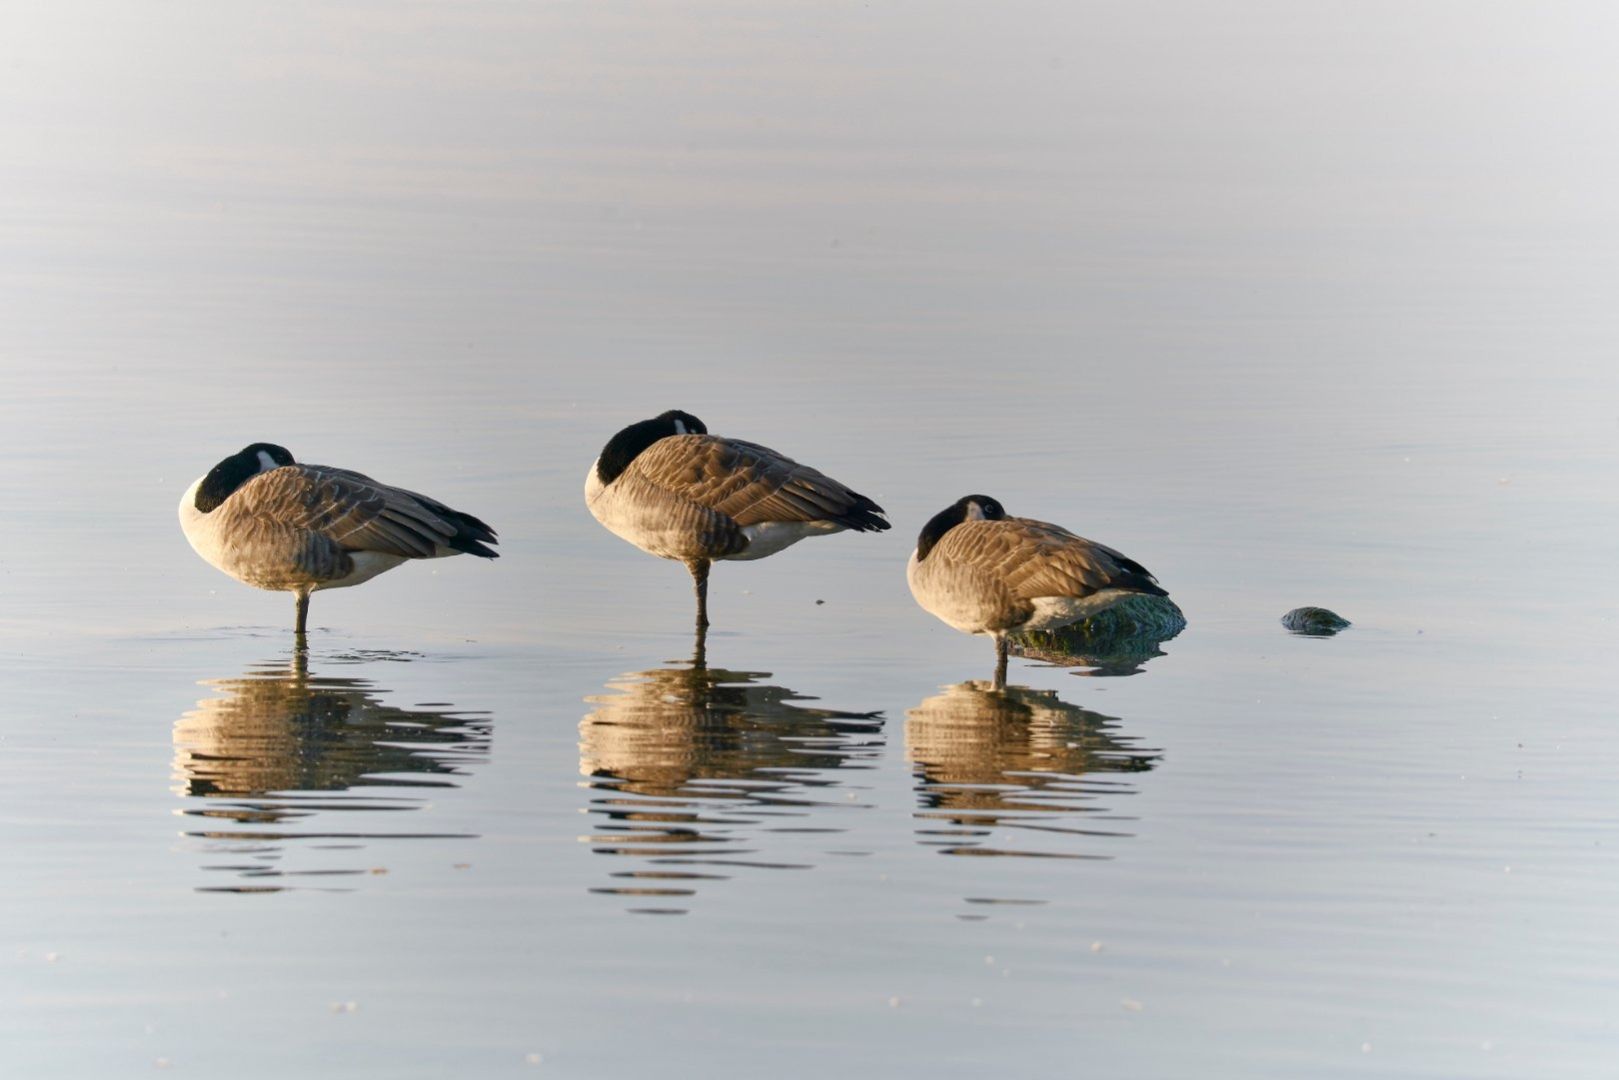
675, 491
275, 524
985, 573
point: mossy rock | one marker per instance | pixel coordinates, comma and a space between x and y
1314, 621
1114, 642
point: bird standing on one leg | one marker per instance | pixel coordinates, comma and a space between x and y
266, 520
675, 491
985, 573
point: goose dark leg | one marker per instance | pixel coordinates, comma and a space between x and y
699, 580
303, 616
699, 652
1001, 646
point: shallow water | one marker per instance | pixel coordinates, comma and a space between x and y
1294, 309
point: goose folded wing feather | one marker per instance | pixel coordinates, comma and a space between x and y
748, 483
345, 509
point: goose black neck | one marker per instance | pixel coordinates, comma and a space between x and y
969, 507
937, 526
236, 470
627, 445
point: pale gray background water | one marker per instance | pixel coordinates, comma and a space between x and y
1295, 303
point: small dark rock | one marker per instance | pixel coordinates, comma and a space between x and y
1314, 621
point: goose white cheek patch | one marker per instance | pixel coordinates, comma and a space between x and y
266, 462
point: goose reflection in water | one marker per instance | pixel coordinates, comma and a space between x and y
279, 756
695, 771
1018, 771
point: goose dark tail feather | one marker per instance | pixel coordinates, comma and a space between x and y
864, 515
1144, 585
471, 534
1136, 577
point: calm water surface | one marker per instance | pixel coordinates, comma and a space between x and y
1318, 312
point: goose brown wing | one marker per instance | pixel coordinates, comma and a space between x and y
325, 513
1036, 558
752, 484
429, 518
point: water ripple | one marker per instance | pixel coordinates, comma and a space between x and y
278, 760
1018, 772
692, 766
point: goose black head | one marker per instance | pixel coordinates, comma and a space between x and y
966, 508
623, 448
237, 470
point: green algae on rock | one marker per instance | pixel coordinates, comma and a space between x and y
1314, 621
1112, 642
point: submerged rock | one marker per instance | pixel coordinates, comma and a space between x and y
1114, 642
1314, 621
